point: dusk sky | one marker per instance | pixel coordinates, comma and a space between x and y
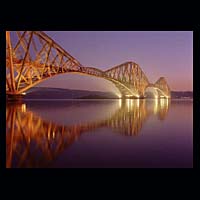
159, 53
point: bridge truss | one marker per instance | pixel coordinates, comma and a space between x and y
32, 57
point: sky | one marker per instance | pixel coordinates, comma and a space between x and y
158, 53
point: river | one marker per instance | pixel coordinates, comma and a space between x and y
116, 133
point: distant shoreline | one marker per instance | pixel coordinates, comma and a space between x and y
38, 93
53, 99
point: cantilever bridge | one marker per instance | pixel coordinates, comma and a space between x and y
32, 56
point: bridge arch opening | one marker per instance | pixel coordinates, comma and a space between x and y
151, 92
154, 92
78, 81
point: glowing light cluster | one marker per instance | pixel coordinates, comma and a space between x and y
23, 107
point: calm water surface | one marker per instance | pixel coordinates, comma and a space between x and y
100, 133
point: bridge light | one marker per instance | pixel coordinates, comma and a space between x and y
48, 136
128, 95
23, 107
167, 102
120, 103
23, 93
138, 103
155, 106
162, 103
128, 104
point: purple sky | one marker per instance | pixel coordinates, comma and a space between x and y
159, 53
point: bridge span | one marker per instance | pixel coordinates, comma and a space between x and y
32, 57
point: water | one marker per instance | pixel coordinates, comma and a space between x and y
100, 133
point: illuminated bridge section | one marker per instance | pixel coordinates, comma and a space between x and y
32, 57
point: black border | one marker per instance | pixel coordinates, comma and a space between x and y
3, 101
155, 23
196, 95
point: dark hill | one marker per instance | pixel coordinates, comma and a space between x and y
58, 93
181, 94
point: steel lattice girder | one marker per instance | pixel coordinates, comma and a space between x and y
32, 57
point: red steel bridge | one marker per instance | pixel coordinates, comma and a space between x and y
32, 57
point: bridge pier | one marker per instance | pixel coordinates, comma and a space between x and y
141, 97
123, 97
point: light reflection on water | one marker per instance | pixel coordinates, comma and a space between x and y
39, 134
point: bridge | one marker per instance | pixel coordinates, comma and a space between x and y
32, 57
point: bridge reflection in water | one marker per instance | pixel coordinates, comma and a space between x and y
32, 141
